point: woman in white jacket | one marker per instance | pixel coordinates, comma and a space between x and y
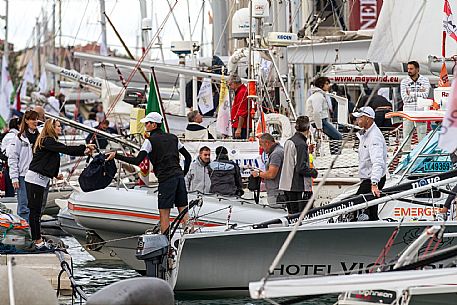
20, 155
13, 127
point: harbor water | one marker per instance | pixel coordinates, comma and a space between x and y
93, 275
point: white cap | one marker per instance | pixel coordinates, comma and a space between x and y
364, 111
153, 117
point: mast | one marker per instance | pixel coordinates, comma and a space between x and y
6, 45
53, 41
38, 36
220, 14
104, 44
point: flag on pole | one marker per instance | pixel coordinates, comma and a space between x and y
205, 96
21, 91
444, 78
447, 140
261, 125
153, 105
28, 73
448, 22
43, 86
6, 89
223, 124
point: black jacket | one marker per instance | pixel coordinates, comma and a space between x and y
46, 160
164, 156
225, 176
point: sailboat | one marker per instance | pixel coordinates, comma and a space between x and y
407, 280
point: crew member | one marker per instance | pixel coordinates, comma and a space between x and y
225, 175
411, 88
239, 112
45, 166
197, 179
273, 167
372, 157
163, 151
317, 109
194, 130
296, 172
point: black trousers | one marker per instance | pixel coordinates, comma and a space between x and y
35, 194
365, 188
9, 189
296, 201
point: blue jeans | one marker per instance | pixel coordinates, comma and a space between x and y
22, 202
334, 135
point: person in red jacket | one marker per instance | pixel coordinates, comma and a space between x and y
239, 112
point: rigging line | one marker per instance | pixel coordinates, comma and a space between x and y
292, 233
176, 21
198, 17
137, 65
80, 23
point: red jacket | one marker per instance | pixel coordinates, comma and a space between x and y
240, 106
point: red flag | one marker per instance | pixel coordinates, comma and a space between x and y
261, 125
444, 78
448, 22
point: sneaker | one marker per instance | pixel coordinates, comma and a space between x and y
43, 246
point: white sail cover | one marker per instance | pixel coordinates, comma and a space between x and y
421, 39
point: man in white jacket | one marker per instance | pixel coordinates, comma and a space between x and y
317, 109
411, 88
372, 157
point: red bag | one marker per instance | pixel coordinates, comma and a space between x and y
2, 181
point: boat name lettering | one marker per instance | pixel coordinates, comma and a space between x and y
329, 210
415, 212
424, 182
327, 269
374, 293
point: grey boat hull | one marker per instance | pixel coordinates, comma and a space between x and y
225, 262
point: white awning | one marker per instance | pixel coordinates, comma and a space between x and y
329, 52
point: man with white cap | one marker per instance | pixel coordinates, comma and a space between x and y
372, 157
163, 151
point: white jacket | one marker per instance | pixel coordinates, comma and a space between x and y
316, 107
410, 90
372, 154
8, 138
197, 179
19, 154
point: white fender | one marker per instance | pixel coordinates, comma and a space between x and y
280, 119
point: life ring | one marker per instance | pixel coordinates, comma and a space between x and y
282, 120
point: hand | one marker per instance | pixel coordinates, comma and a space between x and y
375, 190
238, 134
110, 156
444, 210
311, 148
91, 147
16, 185
60, 176
255, 174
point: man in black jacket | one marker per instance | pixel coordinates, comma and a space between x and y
163, 150
225, 175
